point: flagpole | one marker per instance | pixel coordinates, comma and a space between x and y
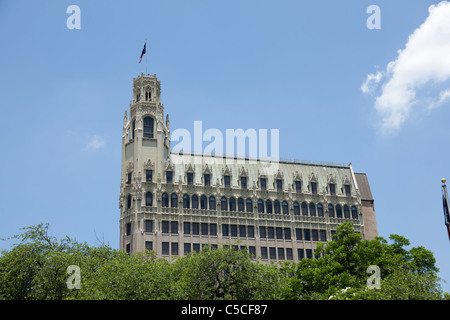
146, 57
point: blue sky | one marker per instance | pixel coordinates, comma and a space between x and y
294, 66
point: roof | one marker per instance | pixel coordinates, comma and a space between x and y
363, 186
254, 169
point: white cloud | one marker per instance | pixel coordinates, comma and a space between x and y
95, 142
424, 61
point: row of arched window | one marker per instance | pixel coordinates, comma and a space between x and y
277, 207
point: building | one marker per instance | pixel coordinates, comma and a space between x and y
177, 207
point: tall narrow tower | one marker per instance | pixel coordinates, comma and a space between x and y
145, 148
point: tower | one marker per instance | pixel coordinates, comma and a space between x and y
145, 148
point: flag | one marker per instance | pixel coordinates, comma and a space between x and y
446, 209
143, 52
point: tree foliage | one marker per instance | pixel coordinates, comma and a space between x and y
35, 268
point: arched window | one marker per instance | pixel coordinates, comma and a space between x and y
296, 208
203, 204
276, 206
241, 205
149, 199
212, 203
304, 209
148, 127
186, 202
165, 200
312, 209
354, 213
338, 211
269, 206
249, 205
330, 211
129, 201
174, 201
285, 206
194, 201
320, 210
346, 212
232, 204
260, 206
223, 204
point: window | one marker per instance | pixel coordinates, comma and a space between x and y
129, 175
174, 227
174, 247
263, 183
203, 204
279, 183
149, 226
186, 228
148, 127
250, 231
285, 207
269, 206
187, 248
149, 199
262, 232
212, 203
232, 204
330, 211
186, 202
174, 201
226, 181
225, 230
287, 233
307, 234
129, 201
309, 253
276, 205
165, 226
213, 229
289, 255
312, 209
128, 248
148, 175
190, 178
314, 187
299, 234
128, 228
354, 213
207, 179
165, 248
195, 228
243, 182
196, 247
304, 209
346, 212
204, 229
280, 253
271, 232
323, 235
194, 201
149, 245
263, 252
252, 252
272, 253
296, 209
315, 235
320, 210
242, 231
249, 205
279, 232
241, 205
338, 211
165, 200
348, 190
169, 177
260, 206
301, 254
332, 188
133, 128
233, 230
298, 186
223, 204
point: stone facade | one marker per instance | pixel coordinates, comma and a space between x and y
176, 204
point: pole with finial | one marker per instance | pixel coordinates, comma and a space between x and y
446, 206
146, 57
